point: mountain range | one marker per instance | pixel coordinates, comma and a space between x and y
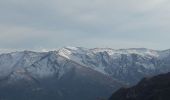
76, 73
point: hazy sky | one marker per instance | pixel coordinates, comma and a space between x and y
38, 24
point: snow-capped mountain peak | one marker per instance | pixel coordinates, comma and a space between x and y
65, 53
100, 59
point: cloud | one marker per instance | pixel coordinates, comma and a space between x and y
31, 24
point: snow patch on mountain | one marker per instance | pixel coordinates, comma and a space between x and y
139, 51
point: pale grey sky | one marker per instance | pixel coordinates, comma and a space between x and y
38, 24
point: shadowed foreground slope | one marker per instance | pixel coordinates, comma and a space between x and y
156, 88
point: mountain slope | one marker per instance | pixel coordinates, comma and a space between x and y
156, 88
